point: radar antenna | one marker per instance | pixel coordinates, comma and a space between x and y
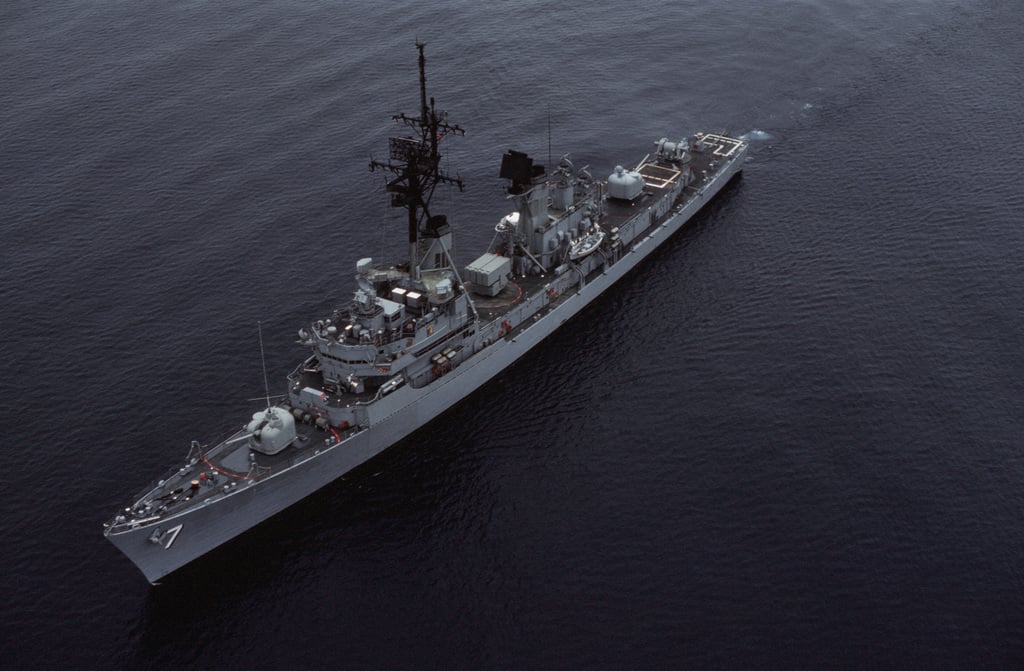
415, 162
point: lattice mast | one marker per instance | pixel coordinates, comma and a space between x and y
416, 163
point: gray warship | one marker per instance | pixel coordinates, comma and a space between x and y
419, 336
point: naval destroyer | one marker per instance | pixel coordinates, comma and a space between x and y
420, 335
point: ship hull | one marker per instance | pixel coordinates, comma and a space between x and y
199, 530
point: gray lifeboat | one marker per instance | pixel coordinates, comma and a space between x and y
586, 245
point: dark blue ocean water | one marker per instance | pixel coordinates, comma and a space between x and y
791, 439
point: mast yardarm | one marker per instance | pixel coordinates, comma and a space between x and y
415, 162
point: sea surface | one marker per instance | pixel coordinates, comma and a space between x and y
792, 438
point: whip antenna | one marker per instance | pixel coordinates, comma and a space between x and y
263, 360
549, 139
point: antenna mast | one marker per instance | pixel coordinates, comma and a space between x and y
263, 360
416, 163
549, 138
